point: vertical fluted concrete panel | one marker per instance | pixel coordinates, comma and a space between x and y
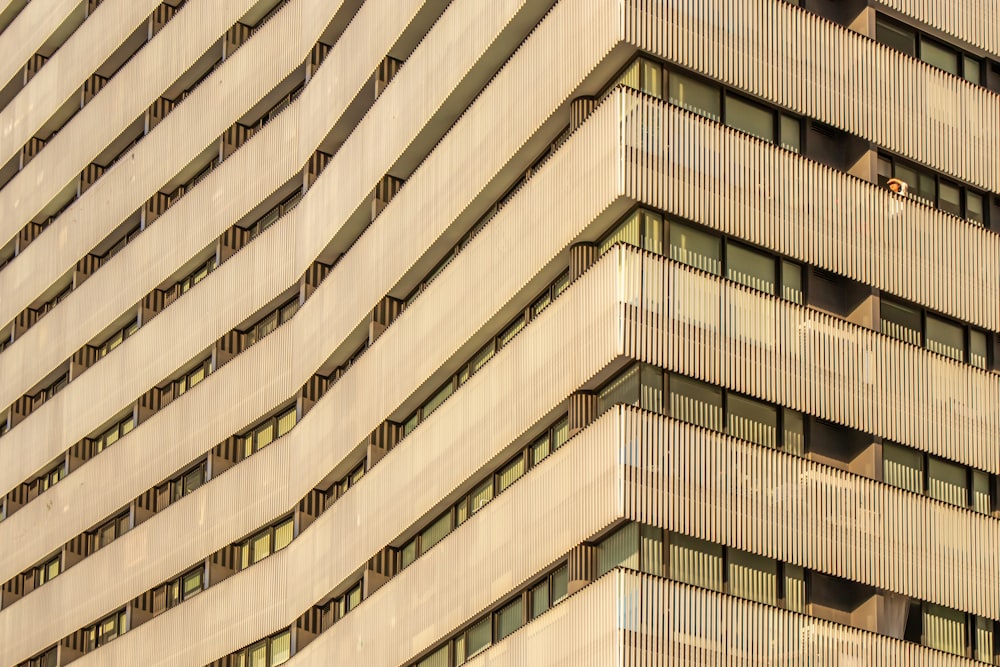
69, 68
973, 21
695, 169
949, 121
29, 30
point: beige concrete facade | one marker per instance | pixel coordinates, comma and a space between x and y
417, 333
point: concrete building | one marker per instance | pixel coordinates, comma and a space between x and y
417, 333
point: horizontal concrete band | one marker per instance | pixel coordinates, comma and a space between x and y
847, 525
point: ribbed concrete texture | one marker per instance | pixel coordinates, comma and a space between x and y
428, 333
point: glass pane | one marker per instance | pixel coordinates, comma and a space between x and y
651, 388
939, 55
896, 37
903, 467
791, 134
353, 597
947, 482
795, 588
481, 358
106, 535
652, 232
510, 473
925, 187
629, 232
264, 435
479, 637
482, 495
438, 658
984, 639
944, 629
695, 248
652, 78
695, 562
651, 550
536, 308
289, 310
459, 644
950, 198
753, 577
191, 584
945, 338
974, 207
981, 492
196, 377
461, 511
509, 619
751, 268
752, 420
901, 322
52, 570
540, 449
261, 546
631, 76
435, 532
437, 399
511, 331
750, 118
621, 548
281, 647
622, 390
972, 70
560, 583
194, 479
791, 282
693, 95
411, 423
409, 553
884, 170
258, 655
560, 433
560, 285
695, 402
539, 599
283, 534
286, 422
793, 432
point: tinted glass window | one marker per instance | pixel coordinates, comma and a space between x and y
896, 37
939, 55
695, 96
750, 118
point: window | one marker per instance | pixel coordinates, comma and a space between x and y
751, 268
187, 482
944, 629
266, 542
752, 420
937, 334
643, 75
934, 190
113, 434
549, 592
509, 619
549, 441
512, 330
795, 588
185, 587
510, 473
642, 229
755, 120
945, 338
916, 44
47, 659
117, 338
48, 570
753, 577
901, 322
106, 630
695, 402
192, 377
110, 531
696, 562
270, 652
271, 322
695, 96
981, 501
264, 434
269, 218
196, 276
696, 248
438, 658
56, 386
903, 467
947, 482
51, 478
